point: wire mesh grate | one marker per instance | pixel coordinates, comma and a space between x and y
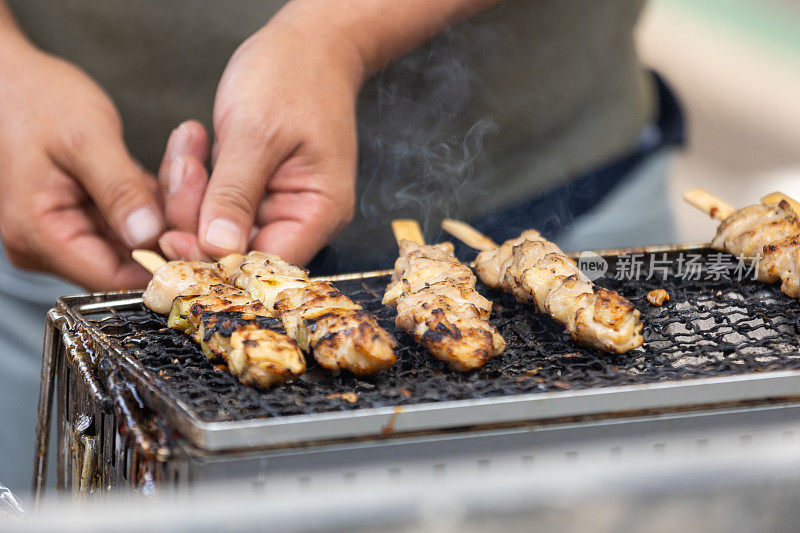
709, 327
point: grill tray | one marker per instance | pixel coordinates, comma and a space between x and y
715, 340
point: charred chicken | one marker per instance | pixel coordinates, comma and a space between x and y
769, 234
225, 321
536, 271
438, 305
338, 332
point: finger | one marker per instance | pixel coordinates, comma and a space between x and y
182, 205
51, 225
117, 185
105, 231
245, 163
179, 245
298, 225
189, 138
73, 248
214, 153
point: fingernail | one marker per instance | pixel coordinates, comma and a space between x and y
142, 225
177, 170
167, 248
224, 234
178, 140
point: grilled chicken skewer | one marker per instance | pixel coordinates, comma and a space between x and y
437, 302
769, 232
225, 321
338, 332
536, 271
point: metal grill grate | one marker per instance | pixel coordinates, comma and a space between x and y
708, 328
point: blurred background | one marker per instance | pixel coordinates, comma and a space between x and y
735, 64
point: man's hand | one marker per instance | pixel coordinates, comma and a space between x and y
284, 119
73, 200
283, 180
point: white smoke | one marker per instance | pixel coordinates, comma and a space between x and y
418, 158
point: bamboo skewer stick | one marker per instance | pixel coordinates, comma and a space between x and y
776, 197
708, 203
468, 235
718, 208
148, 259
407, 229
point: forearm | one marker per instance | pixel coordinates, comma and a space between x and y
382, 30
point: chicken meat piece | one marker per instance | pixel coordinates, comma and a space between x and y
747, 231
438, 305
536, 271
657, 297
488, 263
338, 332
264, 276
262, 357
174, 278
190, 306
781, 262
768, 234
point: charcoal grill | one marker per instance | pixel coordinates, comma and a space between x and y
140, 407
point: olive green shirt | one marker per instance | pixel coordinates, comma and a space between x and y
487, 114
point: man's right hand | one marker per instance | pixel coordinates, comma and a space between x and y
73, 201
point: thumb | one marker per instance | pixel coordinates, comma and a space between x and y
181, 245
244, 166
123, 191
298, 225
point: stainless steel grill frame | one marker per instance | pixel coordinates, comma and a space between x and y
109, 436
